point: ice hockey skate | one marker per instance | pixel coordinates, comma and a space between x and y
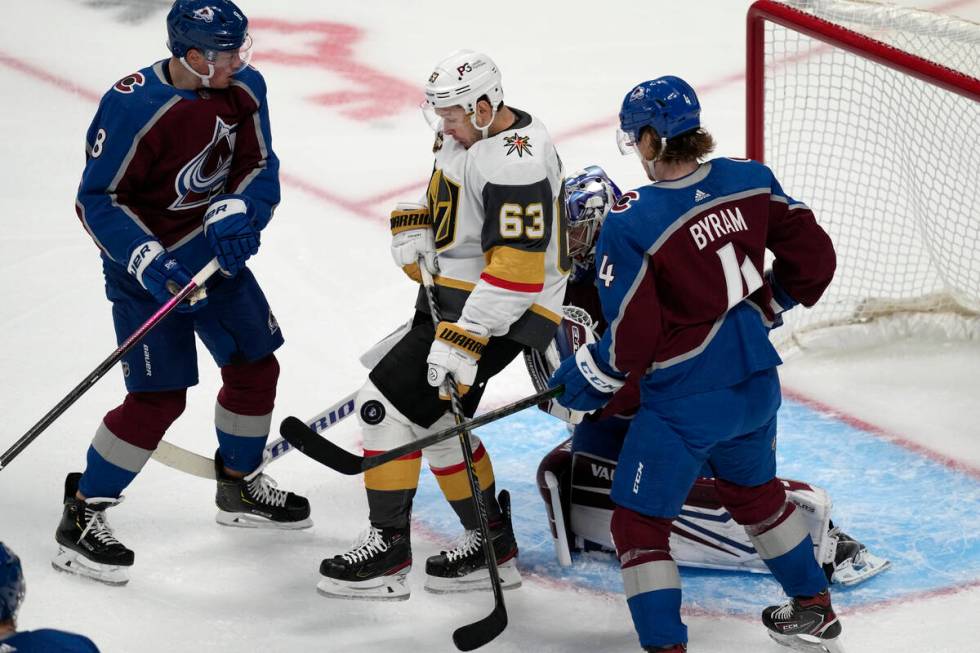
254, 501
852, 563
87, 545
464, 567
805, 624
375, 569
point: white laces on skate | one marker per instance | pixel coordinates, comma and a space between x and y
468, 545
369, 543
784, 612
96, 523
264, 489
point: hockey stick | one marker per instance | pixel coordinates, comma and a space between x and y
197, 465
478, 633
325, 452
195, 283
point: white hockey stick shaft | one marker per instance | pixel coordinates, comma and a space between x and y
197, 465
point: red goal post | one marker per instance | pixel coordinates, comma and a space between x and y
870, 114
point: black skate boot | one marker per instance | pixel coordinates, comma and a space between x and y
805, 624
673, 648
852, 563
87, 546
464, 568
254, 502
375, 569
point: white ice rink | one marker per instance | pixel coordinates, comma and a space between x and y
344, 82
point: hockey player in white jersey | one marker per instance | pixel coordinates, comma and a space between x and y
491, 231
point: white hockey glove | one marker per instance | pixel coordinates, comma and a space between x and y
412, 238
456, 350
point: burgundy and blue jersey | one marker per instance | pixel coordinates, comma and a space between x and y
156, 155
46, 640
680, 276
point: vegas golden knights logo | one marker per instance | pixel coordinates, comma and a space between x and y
443, 197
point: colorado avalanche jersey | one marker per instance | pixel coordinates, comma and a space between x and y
680, 276
156, 154
46, 640
499, 222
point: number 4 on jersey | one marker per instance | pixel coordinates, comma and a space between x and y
734, 273
606, 271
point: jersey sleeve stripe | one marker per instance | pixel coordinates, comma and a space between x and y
515, 269
510, 285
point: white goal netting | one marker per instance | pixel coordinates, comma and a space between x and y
889, 163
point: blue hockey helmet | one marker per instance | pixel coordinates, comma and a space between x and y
667, 104
210, 26
12, 585
589, 194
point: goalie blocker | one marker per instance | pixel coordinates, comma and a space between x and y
704, 535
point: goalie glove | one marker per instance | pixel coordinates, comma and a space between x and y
412, 238
575, 330
456, 350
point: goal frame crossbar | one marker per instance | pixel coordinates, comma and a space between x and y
763, 11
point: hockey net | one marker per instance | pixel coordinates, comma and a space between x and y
870, 114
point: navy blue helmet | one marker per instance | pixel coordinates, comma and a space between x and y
667, 104
12, 585
210, 26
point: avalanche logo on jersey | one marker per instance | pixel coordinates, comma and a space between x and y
519, 144
207, 171
129, 83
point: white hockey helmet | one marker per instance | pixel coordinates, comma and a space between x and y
461, 79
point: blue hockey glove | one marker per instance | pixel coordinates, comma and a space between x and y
588, 384
162, 275
782, 301
231, 232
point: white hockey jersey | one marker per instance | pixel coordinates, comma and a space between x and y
500, 229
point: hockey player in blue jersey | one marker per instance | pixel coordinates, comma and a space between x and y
689, 310
46, 640
180, 169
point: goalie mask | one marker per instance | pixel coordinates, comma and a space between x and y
589, 194
461, 79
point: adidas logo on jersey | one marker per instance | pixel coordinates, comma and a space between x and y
700, 195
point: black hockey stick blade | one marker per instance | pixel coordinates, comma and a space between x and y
473, 636
325, 452
302, 437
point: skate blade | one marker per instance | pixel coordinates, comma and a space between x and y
808, 644
864, 566
246, 520
385, 588
70, 562
510, 578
